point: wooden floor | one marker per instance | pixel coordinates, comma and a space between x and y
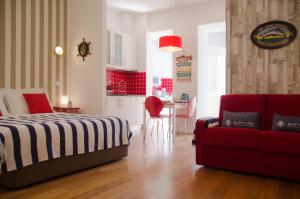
158, 168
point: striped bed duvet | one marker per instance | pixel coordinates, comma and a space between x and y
30, 139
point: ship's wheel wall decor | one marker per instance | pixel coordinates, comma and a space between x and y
84, 49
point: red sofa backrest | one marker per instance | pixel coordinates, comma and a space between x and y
284, 104
244, 103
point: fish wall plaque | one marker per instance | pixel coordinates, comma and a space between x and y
274, 34
184, 68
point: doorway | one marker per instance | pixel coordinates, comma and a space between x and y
212, 68
159, 66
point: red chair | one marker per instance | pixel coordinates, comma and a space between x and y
154, 106
191, 107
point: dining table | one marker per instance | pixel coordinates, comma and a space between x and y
171, 106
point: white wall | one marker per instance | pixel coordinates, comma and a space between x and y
184, 22
86, 79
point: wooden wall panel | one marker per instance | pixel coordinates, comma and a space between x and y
254, 70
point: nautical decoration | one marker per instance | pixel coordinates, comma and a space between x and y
274, 34
184, 68
84, 49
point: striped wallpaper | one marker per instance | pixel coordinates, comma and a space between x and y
30, 30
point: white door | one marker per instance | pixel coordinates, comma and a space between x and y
159, 63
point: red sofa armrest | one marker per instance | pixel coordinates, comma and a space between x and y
202, 125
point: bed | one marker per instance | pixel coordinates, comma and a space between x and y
38, 147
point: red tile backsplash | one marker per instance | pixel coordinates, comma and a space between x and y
122, 82
166, 83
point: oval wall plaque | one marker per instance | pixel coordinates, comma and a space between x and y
274, 34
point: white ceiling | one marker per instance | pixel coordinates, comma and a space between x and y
143, 6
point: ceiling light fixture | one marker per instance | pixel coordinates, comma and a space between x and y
170, 43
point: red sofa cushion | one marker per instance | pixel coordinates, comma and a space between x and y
244, 103
282, 104
38, 103
230, 137
279, 142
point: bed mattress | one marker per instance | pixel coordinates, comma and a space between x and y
30, 139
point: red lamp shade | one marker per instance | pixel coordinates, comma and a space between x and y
170, 43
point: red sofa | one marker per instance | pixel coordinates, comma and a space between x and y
265, 152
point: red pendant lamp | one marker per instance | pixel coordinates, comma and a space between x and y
170, 43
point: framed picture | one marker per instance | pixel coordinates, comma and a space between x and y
274, 34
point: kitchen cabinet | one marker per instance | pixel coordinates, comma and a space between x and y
114, 48
118, 49
108, 50
130, 52
127, 107
121, 51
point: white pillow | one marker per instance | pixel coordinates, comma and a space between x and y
15, 101
2, 105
